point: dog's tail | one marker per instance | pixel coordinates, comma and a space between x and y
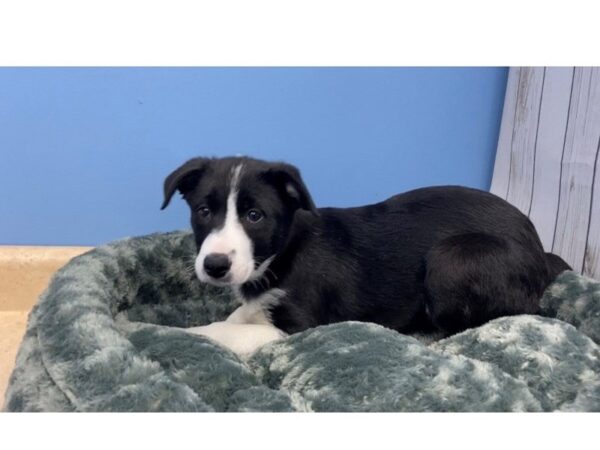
556, 265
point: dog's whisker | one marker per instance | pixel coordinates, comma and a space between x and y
189, 268
272, 273
256, 284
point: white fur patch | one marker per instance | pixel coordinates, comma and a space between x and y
248, 328
242, 339
256, 311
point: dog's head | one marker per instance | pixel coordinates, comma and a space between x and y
242, 212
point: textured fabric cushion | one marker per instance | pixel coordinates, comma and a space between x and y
106, 336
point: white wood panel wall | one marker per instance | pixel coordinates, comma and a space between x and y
547, 158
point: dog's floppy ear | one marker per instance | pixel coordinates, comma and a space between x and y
288, 181
184, 178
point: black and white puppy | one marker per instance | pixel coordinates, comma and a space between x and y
434, 259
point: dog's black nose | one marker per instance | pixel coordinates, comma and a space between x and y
217, 264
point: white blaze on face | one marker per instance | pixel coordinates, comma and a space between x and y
230, 240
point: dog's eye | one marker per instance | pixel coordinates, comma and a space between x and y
203, 212
254, 215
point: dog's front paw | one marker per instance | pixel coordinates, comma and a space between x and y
242, 339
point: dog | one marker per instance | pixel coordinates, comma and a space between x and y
436, 259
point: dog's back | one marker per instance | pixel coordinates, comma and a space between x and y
449, 256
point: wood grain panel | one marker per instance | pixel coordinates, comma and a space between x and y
548, 158
553, 117
581, 145
591, 260
502, 163
522, 153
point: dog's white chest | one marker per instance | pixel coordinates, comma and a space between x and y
248, 327
256, 311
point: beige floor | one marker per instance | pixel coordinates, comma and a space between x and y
24, 274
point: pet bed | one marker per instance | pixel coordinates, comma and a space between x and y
106, 336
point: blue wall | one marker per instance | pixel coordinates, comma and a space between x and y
83, 152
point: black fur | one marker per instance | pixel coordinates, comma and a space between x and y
445, 258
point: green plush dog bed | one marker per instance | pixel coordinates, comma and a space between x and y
107, 336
